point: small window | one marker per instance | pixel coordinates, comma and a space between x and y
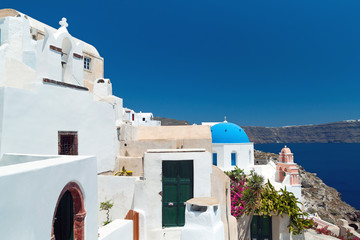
143, 119
100, 81
67, 143
233, 159
215, 159
133, 117
87, 62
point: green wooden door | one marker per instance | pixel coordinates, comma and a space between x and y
261, 228
177, 180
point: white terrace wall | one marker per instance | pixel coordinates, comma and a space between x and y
118, 190
31, 121
117, 230
34, 187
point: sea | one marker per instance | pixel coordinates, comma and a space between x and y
337, 164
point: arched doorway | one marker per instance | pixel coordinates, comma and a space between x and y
64, 218
69, 215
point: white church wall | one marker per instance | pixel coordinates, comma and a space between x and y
49, 60
118, 190
244, 155
35, 188
25, 61
219, 150
153, 182
32, 119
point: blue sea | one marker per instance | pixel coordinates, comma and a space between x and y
337, 164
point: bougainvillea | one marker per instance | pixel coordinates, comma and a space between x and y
237, 186
237, 204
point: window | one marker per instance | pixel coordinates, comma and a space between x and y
87, 63
68, 143
143, 119
233, 159
133, 117
215, 159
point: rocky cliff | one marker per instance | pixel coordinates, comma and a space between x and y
337, 132
318, 197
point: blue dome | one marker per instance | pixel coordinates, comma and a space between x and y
228, 133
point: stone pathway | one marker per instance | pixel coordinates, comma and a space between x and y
313, 235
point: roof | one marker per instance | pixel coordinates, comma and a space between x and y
286, 150
41, 27
228, 133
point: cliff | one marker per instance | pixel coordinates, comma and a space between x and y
336, 132
318, 197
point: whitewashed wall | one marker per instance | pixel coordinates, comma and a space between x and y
153, 183
32, 191
17, 53
32, 119
244, 155
49, 61
120, 191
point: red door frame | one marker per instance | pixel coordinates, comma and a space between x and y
79, 210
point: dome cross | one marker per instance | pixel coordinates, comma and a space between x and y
63, 22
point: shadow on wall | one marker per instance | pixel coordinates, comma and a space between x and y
241, 226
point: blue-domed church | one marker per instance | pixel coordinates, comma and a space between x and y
231, 147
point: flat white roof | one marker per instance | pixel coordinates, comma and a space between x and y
176, 150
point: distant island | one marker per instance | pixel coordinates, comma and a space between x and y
337, 132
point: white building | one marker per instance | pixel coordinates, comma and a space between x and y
49, 107
55, 102
139, 119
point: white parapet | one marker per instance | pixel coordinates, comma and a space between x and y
203, 220
117, 229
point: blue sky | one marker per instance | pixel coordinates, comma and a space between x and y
259, 62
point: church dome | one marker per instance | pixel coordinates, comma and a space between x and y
228, 133
286, 150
